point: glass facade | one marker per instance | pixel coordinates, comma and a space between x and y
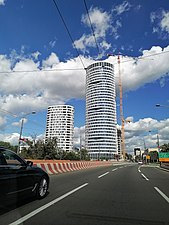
101, 131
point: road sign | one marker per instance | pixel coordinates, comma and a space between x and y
164, 156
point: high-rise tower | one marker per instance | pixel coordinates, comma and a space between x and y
60, 124
101, 130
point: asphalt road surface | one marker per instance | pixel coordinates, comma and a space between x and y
126, 194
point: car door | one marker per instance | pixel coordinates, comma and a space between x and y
21, 176
4, 179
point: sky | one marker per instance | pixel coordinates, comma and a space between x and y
45, 46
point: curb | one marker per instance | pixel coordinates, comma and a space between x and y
161, 168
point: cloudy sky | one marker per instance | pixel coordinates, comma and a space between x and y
45, 46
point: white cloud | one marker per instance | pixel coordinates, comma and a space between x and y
104, 24
101, 23
5, 63
36, 55
165, 22
144, 132
124, 7
51, 61
25, 91
11, 138
2, 2
160, 21
85, 40
136, 72
2, 122
79, 136
18, 123
52, 43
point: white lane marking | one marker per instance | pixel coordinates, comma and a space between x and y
33, 213
120, 167
162, 194
144, 176
114, 169
139, 170
103, 175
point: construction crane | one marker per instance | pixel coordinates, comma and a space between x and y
121, 110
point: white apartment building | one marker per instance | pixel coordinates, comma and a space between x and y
60, 124
101, 130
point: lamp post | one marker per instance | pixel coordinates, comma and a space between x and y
158, 142
158, 105
157, 138
21, 129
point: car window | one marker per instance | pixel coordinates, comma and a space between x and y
2, 159
11, 158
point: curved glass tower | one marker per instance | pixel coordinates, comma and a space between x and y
101, 131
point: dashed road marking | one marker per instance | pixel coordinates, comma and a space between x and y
103, 175
139, 170
162, 194
144, 176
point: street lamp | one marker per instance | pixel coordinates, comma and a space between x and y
158, 105
158, 139
21, 128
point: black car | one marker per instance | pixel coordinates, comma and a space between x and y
19, 178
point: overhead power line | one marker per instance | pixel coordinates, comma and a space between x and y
140, 57
40, 70
70, 36
94, 36
7, 112
78, 69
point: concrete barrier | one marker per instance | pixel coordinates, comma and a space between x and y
55, 166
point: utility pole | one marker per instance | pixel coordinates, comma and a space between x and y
20, 135
19, 142
80, 146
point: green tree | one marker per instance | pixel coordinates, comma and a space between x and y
41, 149
8, 146
83, 154
165, 148
71, 156
153, 156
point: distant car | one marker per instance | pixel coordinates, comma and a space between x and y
140, 162
19, 178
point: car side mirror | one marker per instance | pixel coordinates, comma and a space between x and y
29, 163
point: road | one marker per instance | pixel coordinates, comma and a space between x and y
126, 194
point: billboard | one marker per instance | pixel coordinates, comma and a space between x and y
164, 156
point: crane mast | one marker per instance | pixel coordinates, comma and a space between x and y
121, 110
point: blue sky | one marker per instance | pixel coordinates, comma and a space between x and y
34, 40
